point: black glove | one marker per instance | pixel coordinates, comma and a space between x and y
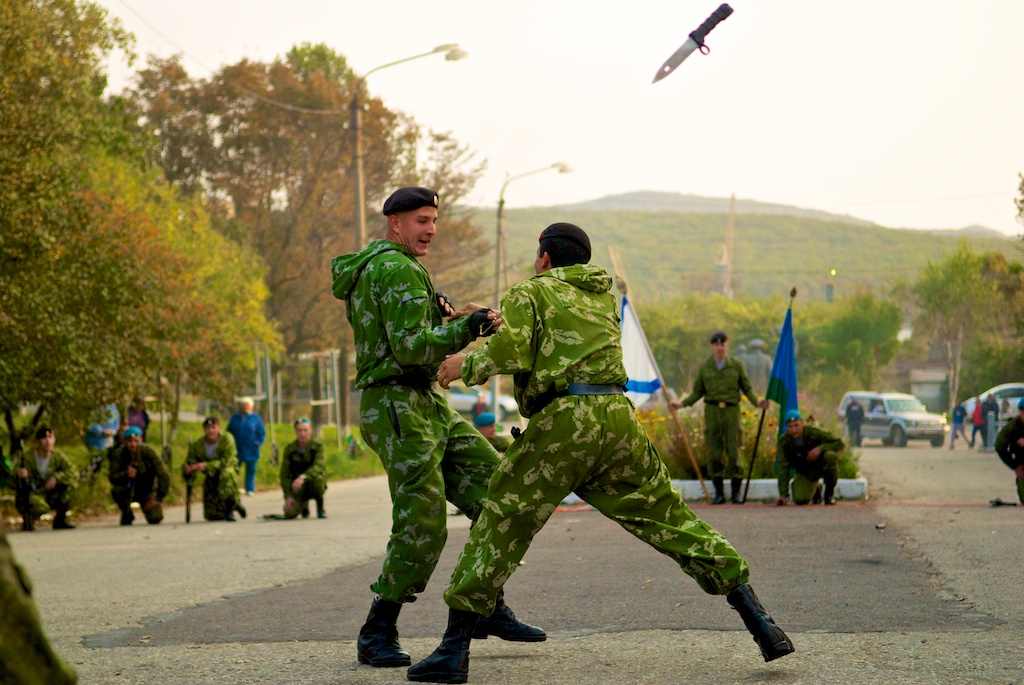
444, 304
479, 324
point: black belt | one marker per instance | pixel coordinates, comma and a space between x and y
593, 389
408, 380
720, 405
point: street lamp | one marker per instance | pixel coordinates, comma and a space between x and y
451, 53
562, 168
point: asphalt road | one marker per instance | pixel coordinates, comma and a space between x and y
916, 586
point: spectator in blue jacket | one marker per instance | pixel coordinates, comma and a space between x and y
246, 427
100, 434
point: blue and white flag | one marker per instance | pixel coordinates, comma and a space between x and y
641, 369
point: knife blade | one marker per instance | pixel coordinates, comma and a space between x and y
694, 42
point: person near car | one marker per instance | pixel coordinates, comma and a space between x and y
990, 414
722, 381
403, 330
978, 422
854, 420
959, 418
813, 455
1010, 447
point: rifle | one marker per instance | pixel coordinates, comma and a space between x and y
188, 496
23, 496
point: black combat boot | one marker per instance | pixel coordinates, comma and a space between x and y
449, 663
320, 513
737, 485
816, 499
240, 509
830, 493
60, 519
378, 638
769, 637
719, 484
127, 516
504, 624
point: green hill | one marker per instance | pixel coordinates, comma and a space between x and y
666, 253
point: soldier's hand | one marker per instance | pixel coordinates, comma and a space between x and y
445, 305
132, 471
289, 504
297, 484
1020, 442
484, 322
199, 466
1020, 472
450, 369
51, 483
762, 404
466, 310
675, 405
813, 454
151, 504
22, 473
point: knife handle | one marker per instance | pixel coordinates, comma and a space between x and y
711, 22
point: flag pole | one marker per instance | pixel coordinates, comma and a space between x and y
620, 281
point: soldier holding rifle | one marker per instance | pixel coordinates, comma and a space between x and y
213, 455
44, 481
138, 474
813, 455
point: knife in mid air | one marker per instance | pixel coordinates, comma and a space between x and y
694, 42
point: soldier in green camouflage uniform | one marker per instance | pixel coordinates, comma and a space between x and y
560, 339
429, 452
720, 380
213, 455
138, 474
26, 657
52, 489
813, 455
303, 475
485, 422
1010, 447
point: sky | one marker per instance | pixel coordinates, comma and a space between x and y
907, 113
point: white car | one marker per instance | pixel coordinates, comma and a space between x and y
1007, 391
463, 399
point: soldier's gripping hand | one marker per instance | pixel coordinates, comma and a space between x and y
484, 322
450, 369
445, 305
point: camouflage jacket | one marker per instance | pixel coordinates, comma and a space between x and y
224, 460
721, 385
559, 327
150, 468
395, 318
792, 453
60, 468
1007, 448
295, 462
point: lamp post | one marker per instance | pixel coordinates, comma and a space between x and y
562, 168
451, 53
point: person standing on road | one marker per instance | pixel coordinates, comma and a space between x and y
978, 421
561, 343
50, 478
959, 418
1010, 447
303, 474
213, 455
246, 427
813, 455
720, 381
430, 453
854, 420
138, 474
990, 414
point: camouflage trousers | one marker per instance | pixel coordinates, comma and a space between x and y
430, 454
123, 498
26, 656
595, 447
722, 437
220, 495
312, 488
806, 475
42, 501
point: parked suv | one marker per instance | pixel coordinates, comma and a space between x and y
896, 417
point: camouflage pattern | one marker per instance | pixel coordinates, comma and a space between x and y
1009, 451
26, 657
430, 453
500, 443
41, 499
220, 479
152, 479
722, 424
562, 327
294, 463
792, 454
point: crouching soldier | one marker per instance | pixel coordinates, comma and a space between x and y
303, 476
48, 476
813, 454
213, 455
138, 474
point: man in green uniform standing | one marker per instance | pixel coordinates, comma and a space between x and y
1010, 447
50, 478
26, 657
303, 475
430, 453
213, 455
813, 455
486, 423
138, 474
561, 342
720, 381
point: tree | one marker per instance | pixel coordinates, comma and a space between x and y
860, 338
955, 304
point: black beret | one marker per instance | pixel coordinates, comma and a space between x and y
210, 421
410, 198
43, 432
570, 232
719, 336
